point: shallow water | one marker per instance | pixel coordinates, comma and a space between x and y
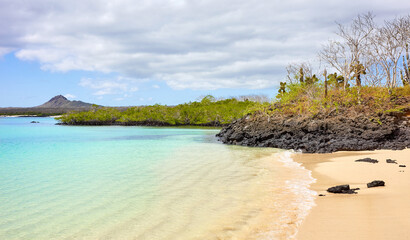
65, 182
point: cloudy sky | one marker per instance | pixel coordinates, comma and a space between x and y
141, 52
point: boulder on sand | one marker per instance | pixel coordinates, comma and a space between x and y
375, 183
369, 160
342, 189
391, 161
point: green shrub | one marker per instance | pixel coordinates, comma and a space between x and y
206, 112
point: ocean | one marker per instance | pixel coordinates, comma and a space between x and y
112, 182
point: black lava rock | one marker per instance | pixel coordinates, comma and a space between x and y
391, 161
343, 189
402, 165
368, 160
375, 183
318, 134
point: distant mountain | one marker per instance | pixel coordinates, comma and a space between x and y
62, 102
55, 106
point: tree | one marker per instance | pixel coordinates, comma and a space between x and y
403, 26
336, 55
297, 72
208, 99
405, 73
282, 89
386, 48
325, 75
358, 69
335, 80
345, 55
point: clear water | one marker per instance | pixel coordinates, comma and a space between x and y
65, 182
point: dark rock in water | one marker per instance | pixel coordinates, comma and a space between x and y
402, 165
369, 160
34, 122
375, 183
391, 161
342, 189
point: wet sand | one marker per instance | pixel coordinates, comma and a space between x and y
373, 213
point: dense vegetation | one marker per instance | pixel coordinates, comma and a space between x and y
207, 112
302, 99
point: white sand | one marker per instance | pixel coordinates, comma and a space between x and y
373, 213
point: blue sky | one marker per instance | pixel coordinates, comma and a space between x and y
26, 85
155, 51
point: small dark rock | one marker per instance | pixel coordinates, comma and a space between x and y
342, 189
391, 161
402, 165
34, 122
375, 183
369, 160
339, 189
322, 195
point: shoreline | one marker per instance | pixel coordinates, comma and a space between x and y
373, 213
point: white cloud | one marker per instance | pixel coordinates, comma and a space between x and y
69, 96
4, 50
155, 86
119, 85
188, 44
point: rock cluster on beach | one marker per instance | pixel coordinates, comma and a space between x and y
345, 189
319, 134
376, 183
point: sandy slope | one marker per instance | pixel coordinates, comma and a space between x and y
375, 213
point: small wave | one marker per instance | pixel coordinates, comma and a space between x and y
299, 196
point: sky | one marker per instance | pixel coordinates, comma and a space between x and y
142, 52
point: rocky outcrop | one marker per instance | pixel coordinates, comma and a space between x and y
319, 134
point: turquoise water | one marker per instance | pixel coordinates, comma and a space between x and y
66, 182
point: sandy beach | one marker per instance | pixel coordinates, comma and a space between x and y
373, 213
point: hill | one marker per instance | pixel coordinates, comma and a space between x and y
62, 102
55, 106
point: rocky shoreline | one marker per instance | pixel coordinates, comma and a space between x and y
320, 134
